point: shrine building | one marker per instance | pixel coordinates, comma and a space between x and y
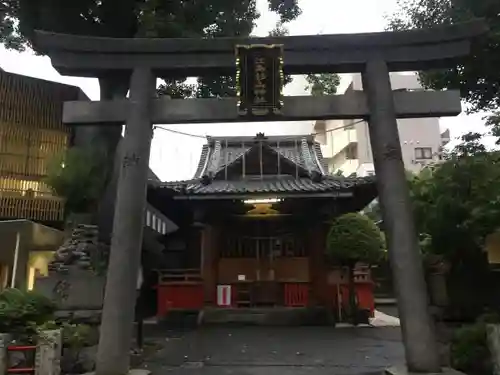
253, 224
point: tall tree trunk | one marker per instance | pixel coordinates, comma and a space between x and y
353, 305
107, 139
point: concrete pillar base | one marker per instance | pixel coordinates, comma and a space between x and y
48, 353
5, 340
402, 370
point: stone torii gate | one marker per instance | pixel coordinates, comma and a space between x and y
374, 55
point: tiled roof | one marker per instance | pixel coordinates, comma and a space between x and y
274, 184
220, 152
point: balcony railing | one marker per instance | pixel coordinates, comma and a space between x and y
349, 167
39, 208
337, 141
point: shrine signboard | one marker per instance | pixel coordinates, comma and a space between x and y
259, 79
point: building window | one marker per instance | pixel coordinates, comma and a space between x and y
423, 153
148, 218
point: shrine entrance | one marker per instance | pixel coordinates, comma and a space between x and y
259, 68
261, 259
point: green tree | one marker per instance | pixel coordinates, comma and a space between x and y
138, 18
458, 202
322, 84
79, 176
354, 238
456, 205
476, 76
9, 32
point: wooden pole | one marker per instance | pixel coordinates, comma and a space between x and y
261, 165
226, 160
279, 155
120, 294
244, 160
297, 154
421, 349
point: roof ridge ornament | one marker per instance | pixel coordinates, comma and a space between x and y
260, 137
206, 180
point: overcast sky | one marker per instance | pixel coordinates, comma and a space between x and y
175, 156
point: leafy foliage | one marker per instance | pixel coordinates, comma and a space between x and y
469, 350
142, 18
456, 205
22, 312
323, 84
354, 238
458, 202
476, 76
80, 177
78, 336
9, 32
470, 145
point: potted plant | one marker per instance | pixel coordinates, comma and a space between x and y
21, 316
354, 238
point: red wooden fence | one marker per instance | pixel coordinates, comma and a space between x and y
179, 297
296, 295
29, 362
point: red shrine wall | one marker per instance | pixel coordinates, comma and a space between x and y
284, 281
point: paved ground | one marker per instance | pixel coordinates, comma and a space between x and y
277, 351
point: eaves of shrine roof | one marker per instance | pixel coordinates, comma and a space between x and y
221, 152
278, 185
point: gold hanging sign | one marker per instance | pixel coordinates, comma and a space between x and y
259, 79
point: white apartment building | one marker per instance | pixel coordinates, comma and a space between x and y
346, 143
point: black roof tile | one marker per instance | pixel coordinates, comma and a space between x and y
220, 153
275, 184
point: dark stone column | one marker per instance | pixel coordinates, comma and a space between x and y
207, 263
406, 263
317, 269
120, 294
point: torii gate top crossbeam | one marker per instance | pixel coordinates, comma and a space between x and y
345, 53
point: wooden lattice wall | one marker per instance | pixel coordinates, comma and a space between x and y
31, 134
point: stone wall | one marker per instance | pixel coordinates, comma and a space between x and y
74, 280
77, 290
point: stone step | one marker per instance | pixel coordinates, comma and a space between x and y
279, 316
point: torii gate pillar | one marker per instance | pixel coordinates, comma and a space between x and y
422, 354
126, 242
